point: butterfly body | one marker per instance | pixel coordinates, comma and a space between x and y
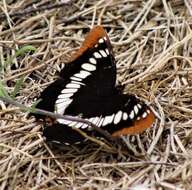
86, 88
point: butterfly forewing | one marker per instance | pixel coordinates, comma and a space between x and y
90, 74
95, 66
92, 70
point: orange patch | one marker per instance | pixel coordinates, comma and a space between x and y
138, 126
91, 40
49, 121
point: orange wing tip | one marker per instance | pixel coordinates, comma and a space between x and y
138, 126
91, 40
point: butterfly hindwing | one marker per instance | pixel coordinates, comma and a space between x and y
118, 114
59, 133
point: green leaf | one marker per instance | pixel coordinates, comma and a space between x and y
20, 52
24, 50
32, 109
17, 87
3, 91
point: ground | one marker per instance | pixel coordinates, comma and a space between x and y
151, 40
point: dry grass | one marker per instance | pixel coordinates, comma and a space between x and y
152, 44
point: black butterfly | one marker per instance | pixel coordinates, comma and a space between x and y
86, 88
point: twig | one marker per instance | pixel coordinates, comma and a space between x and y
57, 116
35, 9
188, 4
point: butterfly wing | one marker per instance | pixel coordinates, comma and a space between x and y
93, 65
85, 73
119, 114
92, 69
86, 88
62, 134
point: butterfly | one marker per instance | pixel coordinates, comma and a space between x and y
86, 88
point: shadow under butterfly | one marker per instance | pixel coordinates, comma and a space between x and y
86, 88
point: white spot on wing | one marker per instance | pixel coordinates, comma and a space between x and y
118, 117
103, 53
72, 85
60, 107
75, 78
88, 67
57, 142
125, 116
69, 90
100, 122
136, 109
84, 126
101, 40
63, 104
78, 125
91, 119
82, 74
97, 55
107, 51
105, 38
78, 142
148, 111
144, 115
60, 110
131, 115
58, 101
63, 96
139, 106
108, 120
73, 123
76, 82
92, 60
95, 120
63, 121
